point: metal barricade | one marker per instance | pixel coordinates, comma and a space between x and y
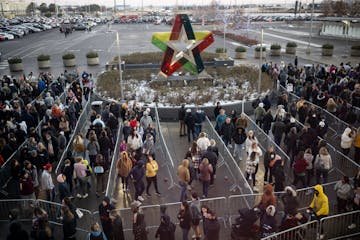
225, 157
113, 178
336, 226
165, 152
305, 231
237, 202
218, 205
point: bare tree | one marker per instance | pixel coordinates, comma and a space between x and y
340, 8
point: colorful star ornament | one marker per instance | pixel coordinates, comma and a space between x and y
182, 46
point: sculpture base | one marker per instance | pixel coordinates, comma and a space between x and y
203, 79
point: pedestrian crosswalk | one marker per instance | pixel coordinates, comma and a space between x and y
3, 65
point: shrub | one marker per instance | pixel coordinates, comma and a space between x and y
237, 38
275, 46
14, 60
43, 57
328, 46
221, 50
92, 54
240, 49
291, 44
355, 47
258, 49
68, 56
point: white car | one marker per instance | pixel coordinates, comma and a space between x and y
7, 36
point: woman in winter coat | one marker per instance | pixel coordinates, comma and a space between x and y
241, 122
105, 208
299, 168
166, 230
79, 146
117, 226
69, 223
99, 169
124, 166
184, 217
139, 225
93, 147
343, 191
205, 172
251, 168
134, 142
151, 174
250, 140
290, 202
106, 146
268, 119
268, 198
347, 139
268, 223
323, 164
309, 169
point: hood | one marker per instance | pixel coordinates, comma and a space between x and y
319, 188
347, 131
290, 189
268, 189
107, 200
185, 163
165, 219
140, 163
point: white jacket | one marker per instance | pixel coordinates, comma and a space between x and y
346, 140
203, 143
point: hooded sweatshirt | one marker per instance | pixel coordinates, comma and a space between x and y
320, 203
346, 140
343, 190
183, 172
166, 230
138, 172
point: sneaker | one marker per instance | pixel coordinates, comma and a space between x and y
140, 198
85, 196
157, 193
78, 195
352, 226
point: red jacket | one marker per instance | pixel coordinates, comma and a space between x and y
300, 166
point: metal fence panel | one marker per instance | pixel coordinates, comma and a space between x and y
305, 231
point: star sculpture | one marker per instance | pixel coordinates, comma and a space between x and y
182, 46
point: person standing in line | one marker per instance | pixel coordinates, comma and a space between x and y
217, 109
99, 170
296, 61
166, 230
227, 131
96, 233
93, 147
64, 190
184, 178
105, 208
239, 138
220, 120
190, 124
323, 164
343, 191
212, 226
347, 139
251, 168
69, 223
81, 175
184, 217
259, 114
47, 183
181, 116
299, 167
206, 171
116, 226
139, 225
309, 169
268, 157
320, 205
196, 216
151, 174
137, 174
124, 166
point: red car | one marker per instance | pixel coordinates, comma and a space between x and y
2, 38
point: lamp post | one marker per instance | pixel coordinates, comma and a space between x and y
308, 50
120, 62
260, 60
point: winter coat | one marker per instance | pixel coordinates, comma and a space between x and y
323, 162
166, 230
69, 227
211, 156
227, 130
183, 172
117, 229
205, 171
220, 120
185, 219
278, 128
239, 138
268, 119
268, 225
291, 203
309, 158
203, 143
190, 121
259, 113
250, 166
93, 148
268, 197
343, 190
267, 158
124, 166
212, 227
139, 227
151, 168
300, 166
96, 235
138, 172
346, 139
241, 122
320, 203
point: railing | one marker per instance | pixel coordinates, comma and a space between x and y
113, 178
304, 231
80, 125
169, 162
337, 225
225, 157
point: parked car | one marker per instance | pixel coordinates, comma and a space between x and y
7, 36
80, 27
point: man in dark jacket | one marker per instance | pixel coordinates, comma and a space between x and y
137, 174
113, 124
116, 226
239, 138
268, 157
181, 116
212, 226
217, 109
105, 208
227, 131
278, 130
166, 230
190, 124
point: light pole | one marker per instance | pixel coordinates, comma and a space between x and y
260, 60
120, 62
308, 50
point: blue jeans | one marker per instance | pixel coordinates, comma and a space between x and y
226, 141
238, 150
198, 128
205, 188
183, 191
185, 233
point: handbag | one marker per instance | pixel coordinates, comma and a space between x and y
79, 213
98, 170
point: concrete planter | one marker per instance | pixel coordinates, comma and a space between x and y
223, 55
291, 50
327, 52
275, 52
355, 52
92, 61
240, 55
69, 62
257, 54
16, 67
44, 64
